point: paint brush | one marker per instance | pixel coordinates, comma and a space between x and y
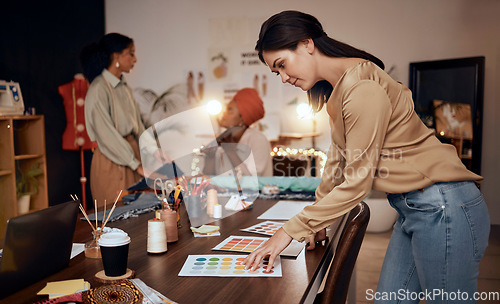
103, 215
95, 210
85, 215
112, 209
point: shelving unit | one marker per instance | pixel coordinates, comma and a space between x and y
463, 146
22, 145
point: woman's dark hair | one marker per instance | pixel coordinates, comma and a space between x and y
97, 56
286, 29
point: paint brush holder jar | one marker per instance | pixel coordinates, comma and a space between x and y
194, 206
92, 249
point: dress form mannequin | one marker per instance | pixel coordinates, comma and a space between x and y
75, 137
73, 94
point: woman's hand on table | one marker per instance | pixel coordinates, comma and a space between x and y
275, 245
271, 248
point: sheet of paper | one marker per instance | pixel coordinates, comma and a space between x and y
268, 228
284, 210
77, 249
213, 265
293, 249
152, 295
63, 287
200, 235
58, 295
244, 244
205, 229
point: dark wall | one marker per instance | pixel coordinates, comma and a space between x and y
39, 48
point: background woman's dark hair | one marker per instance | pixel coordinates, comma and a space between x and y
97, 56
286, 29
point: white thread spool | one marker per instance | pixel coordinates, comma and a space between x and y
211, 201
217, 211
157, 238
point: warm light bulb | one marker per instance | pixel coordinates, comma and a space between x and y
214, 107
304, 111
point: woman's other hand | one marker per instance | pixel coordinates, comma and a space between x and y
317, 237
231, 135
162, 156
140, 170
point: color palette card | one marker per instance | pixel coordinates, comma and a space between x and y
245, 244
209, 265
266, 228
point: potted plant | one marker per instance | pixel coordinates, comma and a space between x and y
26, 185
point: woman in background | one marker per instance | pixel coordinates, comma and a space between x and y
112, 117
244, 109
378, 142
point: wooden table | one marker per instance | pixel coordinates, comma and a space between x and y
299, 284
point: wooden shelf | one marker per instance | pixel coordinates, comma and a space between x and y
5, 172
462, 145
23, 145
299, 135
27, 156
284, 139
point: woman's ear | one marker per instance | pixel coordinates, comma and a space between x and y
308, 44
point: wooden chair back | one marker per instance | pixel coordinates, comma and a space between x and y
344, 254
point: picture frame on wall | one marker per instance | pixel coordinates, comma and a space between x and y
453, 119
456, 81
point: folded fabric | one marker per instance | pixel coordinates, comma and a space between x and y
131, 197
140, 185
283, 195
146, 202
292, 183
168, 171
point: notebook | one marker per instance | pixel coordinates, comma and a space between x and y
37, 245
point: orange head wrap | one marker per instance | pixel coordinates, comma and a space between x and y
250, 105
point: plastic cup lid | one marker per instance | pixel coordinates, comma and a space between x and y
113, 239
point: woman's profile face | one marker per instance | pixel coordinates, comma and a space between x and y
127, 59
294, 67
231, 116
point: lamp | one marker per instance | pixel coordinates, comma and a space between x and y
214, 107
304, 111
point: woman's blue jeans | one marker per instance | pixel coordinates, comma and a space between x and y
438, 241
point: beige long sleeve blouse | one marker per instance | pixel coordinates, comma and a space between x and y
378, 142
111, 114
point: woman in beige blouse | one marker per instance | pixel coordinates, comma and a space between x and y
378, 142
112, 116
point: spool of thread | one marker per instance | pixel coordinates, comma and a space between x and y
157, 238
170, 219
217, 211
211, 201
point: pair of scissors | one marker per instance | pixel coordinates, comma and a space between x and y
166, 187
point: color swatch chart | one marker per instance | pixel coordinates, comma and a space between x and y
225, 266
266, 228
245, 244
